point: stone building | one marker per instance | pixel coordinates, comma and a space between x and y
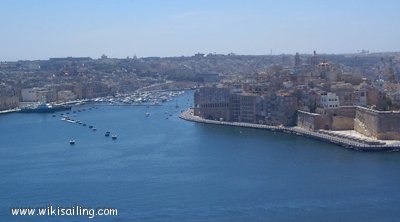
9, 98
36, 94
212, 103
383, 125
345, 92
310, 121
221, 103
285, 107
248, 108
329, 100
341, 118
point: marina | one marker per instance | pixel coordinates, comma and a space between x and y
139, 98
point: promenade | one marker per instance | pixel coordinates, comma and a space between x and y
9, 111
346, 140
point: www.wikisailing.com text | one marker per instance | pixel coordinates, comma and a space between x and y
64, 211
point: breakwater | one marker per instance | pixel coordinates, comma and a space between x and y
348, 142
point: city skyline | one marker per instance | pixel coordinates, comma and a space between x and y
39, 30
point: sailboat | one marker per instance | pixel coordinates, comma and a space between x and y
147, 114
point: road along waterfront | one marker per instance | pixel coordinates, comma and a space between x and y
350, 142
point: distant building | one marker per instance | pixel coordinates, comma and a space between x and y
210, 77
314, 60
297, 60
36, 95
345, 92
329, 100
66, 95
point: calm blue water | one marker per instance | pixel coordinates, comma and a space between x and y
171, 170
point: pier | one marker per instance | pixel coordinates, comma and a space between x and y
346, 141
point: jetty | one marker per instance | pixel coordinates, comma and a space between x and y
341, 139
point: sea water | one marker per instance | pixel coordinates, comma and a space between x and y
162, 168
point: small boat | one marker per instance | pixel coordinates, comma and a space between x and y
94, 129
90, 127
54, 115
114, 137
176, 104
147, 114
84, 124
107, 133
72, 142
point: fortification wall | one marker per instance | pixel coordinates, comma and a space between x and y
342, 123
310, 121
384, 125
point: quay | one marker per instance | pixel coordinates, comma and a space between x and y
117, 104
9, 111
346, 141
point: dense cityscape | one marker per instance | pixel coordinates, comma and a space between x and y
201, 110
359, 93
311, 91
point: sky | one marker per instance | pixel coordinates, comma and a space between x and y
40, 29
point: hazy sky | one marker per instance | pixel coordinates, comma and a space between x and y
39, 29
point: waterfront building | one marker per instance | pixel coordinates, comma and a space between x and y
65, 95
212, 103
235, 106
224, 103
36, 94
285, 107
9, 98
